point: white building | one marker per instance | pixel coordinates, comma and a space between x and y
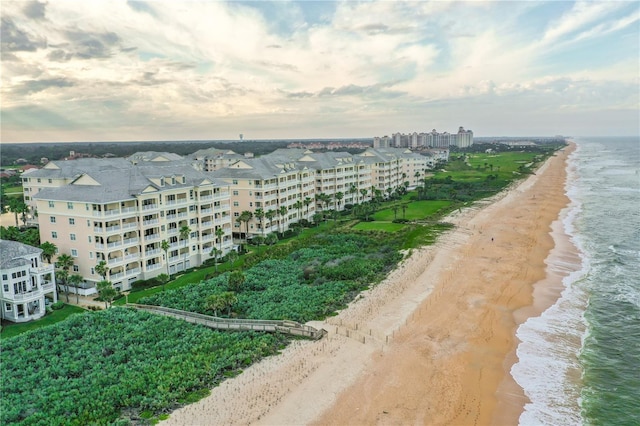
26, 281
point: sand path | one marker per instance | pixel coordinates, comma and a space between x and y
429, 345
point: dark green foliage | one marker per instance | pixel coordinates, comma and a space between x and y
30, 236
91, 367
310, 283
142, 284
58, 305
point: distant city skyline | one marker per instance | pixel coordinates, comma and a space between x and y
210, 70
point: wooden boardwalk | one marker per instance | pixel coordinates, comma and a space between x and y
288, 327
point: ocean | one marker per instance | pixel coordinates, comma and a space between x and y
579, 361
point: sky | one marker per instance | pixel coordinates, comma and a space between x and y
212, 70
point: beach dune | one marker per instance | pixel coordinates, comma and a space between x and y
432, 344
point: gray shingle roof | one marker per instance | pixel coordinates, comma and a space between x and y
12, 253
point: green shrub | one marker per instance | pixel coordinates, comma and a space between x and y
58, 305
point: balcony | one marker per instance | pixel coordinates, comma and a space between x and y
116, 276
44, 269
150, 207
152, 252
205, 211
134, 256
114, 261
47, 287
130, 225
33, 294
114, 244
112, 228
150, 222
206, 198
152, 237
133, 271
154, 267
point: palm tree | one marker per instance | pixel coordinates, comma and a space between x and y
307, 201
102, 269
75, 281
245, 217
107, 292
363, 192
259, 214
215, 302
219, 234
65, 262
215, 253
184, 235
270, 214
283, 214
48, 250
230, 299
353, 189
164, 245
404, 209
338, 196
16, 205
164, 279
298, 206
395, 211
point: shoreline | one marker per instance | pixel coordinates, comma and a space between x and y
429, 344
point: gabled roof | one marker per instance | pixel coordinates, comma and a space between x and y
12, 253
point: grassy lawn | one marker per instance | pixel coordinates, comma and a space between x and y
415, 210
11, 330
378, 226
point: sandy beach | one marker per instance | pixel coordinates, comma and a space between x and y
432, 344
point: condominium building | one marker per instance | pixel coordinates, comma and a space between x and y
120, 211
433, 139
27, 282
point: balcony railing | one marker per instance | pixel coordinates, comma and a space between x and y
129, 225
44, 269
129, 241
154, 267
152, 252
133, 256
114, 261
133, 271
150, 206
114, 244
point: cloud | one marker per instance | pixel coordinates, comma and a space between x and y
35, 10
15, 39
34, 86
304, 67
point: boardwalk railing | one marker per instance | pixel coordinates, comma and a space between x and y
288, 327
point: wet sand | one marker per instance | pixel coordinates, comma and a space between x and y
432, 344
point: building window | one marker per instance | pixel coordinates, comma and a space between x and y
236, 214
50, 181
250, 204
7, 306
89, 238
6, 288
52, 219
236, 204
4, 277
54, 234
235, 192
88, 222
90, 255
74, 252
72, 221
76, 268
39, 180
70, 206
52, 204
235, 181
93, 271
72, 237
